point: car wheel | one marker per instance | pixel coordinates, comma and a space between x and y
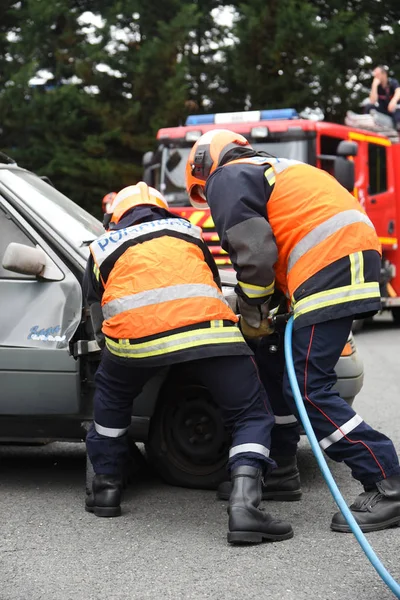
188, 444
89, 475
396, 315
357, 325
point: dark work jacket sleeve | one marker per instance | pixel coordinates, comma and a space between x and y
92, 288
93, 291
237, 195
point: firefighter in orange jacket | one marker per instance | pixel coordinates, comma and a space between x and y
290, 226
162, 304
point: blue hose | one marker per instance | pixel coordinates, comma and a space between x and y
372, 557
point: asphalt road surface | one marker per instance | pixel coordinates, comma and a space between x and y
170, 542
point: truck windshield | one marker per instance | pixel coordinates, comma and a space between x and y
61, 214
173, 164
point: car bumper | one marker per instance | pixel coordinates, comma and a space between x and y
350, 373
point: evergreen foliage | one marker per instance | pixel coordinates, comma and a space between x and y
138, 65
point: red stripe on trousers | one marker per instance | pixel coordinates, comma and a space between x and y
326, 416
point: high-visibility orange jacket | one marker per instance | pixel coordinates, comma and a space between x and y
289, 224
160, 296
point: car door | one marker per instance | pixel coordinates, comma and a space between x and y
38, 376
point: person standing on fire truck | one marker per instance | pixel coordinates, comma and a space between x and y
290, 226
384, 95
162, 304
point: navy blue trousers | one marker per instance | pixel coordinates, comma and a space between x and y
341, 432
270, 358
234, 383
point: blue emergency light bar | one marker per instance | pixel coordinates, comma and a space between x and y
246, 116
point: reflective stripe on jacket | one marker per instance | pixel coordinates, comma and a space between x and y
160, 300
315, 222
318, 230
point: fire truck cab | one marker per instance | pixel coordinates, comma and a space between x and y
363, 160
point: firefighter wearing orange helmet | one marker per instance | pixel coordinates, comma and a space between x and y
162, 304
291, 227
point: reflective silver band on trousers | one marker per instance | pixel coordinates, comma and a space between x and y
323, 230
110, 431
340, 433
156, 296
256, 448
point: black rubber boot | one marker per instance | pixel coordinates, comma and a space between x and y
247, 523
105, 499
283, 484
374, 509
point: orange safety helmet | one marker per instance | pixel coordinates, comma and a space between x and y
107, 201
204, 158
133, 195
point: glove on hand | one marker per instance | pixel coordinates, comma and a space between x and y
253, 314
254, 319
255, 332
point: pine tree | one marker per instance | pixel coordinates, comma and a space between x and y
140, 65
107, 92
307, 53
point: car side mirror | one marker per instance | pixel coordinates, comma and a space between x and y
343, 171
173, 161
346, 148
148, 168
147, 159
26, 260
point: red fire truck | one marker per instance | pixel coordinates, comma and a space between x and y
364, 161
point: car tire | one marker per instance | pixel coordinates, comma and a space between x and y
89, 475
137, 464
357, 325
396, 315
188, 444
